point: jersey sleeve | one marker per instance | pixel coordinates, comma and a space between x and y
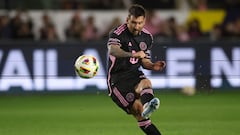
114, 39
150, 43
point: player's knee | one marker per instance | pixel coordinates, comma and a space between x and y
145, 83
138, 115
137, 108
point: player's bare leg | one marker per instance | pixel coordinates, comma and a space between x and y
145, 124
144, 89
150, 104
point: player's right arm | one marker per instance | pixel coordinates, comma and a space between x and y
116, 51
115, 42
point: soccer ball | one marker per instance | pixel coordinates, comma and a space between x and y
86, 66
189, 91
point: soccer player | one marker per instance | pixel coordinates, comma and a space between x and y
129, 49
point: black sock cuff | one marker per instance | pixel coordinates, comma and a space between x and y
146, 91
146, 95
144, 123
148, 128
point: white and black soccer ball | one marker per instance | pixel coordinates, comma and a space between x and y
86, 66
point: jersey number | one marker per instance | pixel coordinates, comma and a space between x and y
133, 60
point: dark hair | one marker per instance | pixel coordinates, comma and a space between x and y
136, 11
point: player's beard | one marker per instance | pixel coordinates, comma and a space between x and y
136, 32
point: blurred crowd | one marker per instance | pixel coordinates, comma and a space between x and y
84, 4
169, 29
15, 28
20, 26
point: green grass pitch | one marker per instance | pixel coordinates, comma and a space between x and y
217, 113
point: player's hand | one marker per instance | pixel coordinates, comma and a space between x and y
159, 65
139, 54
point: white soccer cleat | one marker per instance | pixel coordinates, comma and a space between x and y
150, 107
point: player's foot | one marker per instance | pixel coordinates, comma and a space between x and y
150, 107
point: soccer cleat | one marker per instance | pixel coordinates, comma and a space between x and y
150, 107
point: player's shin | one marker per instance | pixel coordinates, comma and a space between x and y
148, 128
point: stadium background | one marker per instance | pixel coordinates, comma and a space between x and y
40, 93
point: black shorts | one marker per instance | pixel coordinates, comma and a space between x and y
122, 89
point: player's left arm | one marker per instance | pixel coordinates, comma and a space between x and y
157, 66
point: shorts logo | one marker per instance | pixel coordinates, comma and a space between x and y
143, 46
130, 97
